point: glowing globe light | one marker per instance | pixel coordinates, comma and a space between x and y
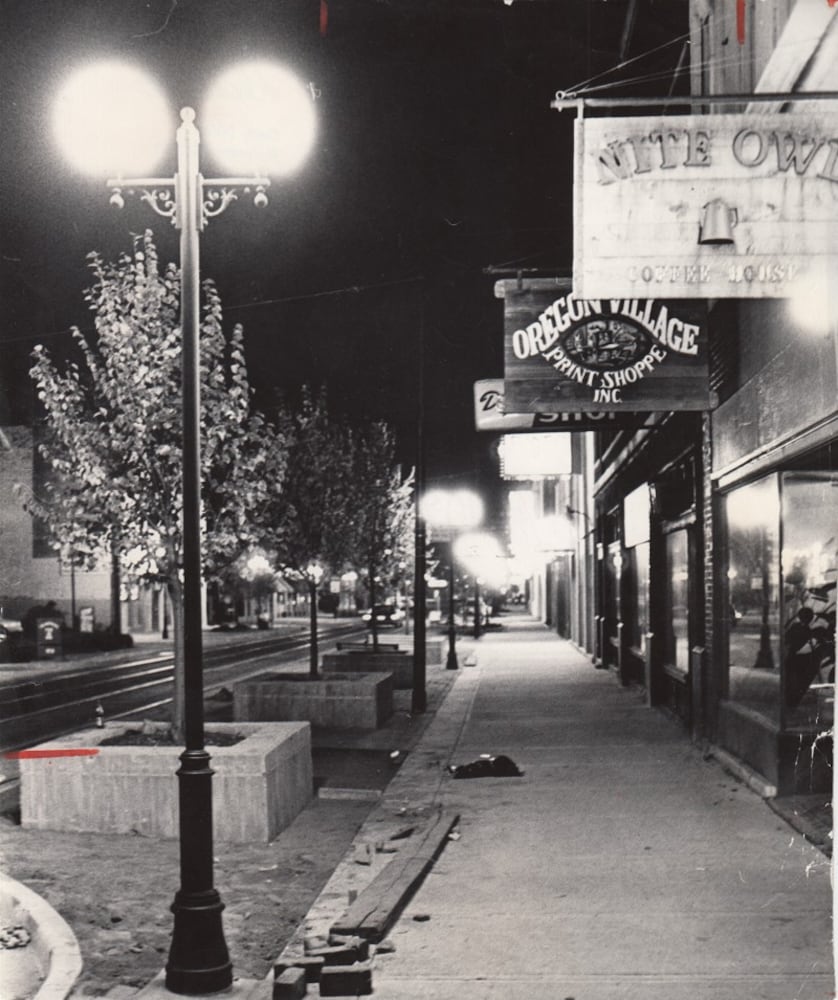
110, 119
482, 556
258, 119
813, 304
452, 508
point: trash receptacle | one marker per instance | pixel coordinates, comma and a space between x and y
48, 638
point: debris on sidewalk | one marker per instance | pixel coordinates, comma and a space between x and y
14, 937
364, 854
487, 766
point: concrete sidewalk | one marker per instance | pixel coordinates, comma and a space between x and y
622, 865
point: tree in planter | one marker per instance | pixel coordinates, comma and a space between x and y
304, 518
382, 511
114, 431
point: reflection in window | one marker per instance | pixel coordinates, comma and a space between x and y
636, 611
753, 516
676, 632
810, 540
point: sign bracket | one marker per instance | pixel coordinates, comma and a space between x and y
563, 100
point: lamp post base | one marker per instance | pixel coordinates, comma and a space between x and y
451, 661
198, 958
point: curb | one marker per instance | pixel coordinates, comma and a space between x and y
409, 807
52, 939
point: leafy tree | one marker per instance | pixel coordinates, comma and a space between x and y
114, 431
382, 510
310, 498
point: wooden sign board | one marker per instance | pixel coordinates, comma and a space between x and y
705, 206
565, 354
490, 414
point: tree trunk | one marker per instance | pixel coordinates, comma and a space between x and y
116, 589
179, 688
373, 622
312, 614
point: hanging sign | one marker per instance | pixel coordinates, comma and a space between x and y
563, 354
535, 456
490, 414
705, 206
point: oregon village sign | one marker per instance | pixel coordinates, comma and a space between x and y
705, 206
566, 354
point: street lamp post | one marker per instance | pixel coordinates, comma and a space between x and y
481, 554
199, 960
314, 574
451, 661
447, 512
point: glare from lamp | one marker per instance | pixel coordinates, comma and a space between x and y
314, 571
452, 508
258, 119
812, 305
110, 119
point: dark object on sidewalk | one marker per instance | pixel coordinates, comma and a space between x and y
487, 767
222, 694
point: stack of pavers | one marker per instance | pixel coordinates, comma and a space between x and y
341, 963
340, 967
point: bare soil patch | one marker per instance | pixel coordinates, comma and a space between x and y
115, 890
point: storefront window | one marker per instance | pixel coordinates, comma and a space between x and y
810, 544
753, 518
676, 649
636, 612
636, 520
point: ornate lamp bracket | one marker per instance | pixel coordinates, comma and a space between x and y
217, 193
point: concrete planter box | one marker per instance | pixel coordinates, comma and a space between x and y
260, 784
435, 650
400, 665
339, 701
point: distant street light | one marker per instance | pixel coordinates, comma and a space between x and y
447, 512
313, 576
111, 119
483, 557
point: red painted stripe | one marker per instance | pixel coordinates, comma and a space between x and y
38, 754
740, 21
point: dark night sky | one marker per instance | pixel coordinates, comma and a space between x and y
437, 156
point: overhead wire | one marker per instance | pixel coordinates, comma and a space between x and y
651, 77
237, 306
579, 88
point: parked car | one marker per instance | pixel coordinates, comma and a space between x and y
385, 614
11, 625
11, 637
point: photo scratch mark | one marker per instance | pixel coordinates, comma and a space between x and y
46, 754
163, 26
740, 21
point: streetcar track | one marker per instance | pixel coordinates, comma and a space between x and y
115, 686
